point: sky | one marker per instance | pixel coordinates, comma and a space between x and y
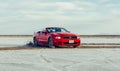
78, 16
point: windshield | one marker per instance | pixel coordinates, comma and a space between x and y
50, 30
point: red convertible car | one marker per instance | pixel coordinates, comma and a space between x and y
56, 37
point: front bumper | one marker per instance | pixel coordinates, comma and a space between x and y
66, 42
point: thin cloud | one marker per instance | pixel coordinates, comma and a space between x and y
64, 13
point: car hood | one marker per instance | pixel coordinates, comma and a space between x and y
64, 34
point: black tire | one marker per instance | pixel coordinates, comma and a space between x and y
50, 43
35, 42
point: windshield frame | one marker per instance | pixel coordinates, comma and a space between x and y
56, 29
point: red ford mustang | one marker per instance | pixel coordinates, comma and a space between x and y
56, 37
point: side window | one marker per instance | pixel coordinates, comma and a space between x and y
50, 30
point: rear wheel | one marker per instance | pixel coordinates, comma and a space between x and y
35, 42
50, 43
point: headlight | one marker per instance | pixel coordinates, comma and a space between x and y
57, 37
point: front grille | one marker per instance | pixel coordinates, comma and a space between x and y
70, 37
60, 43
70, 43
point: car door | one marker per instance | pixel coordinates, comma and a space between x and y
44, 37
38, 36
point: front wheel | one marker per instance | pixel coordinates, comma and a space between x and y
50, 43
